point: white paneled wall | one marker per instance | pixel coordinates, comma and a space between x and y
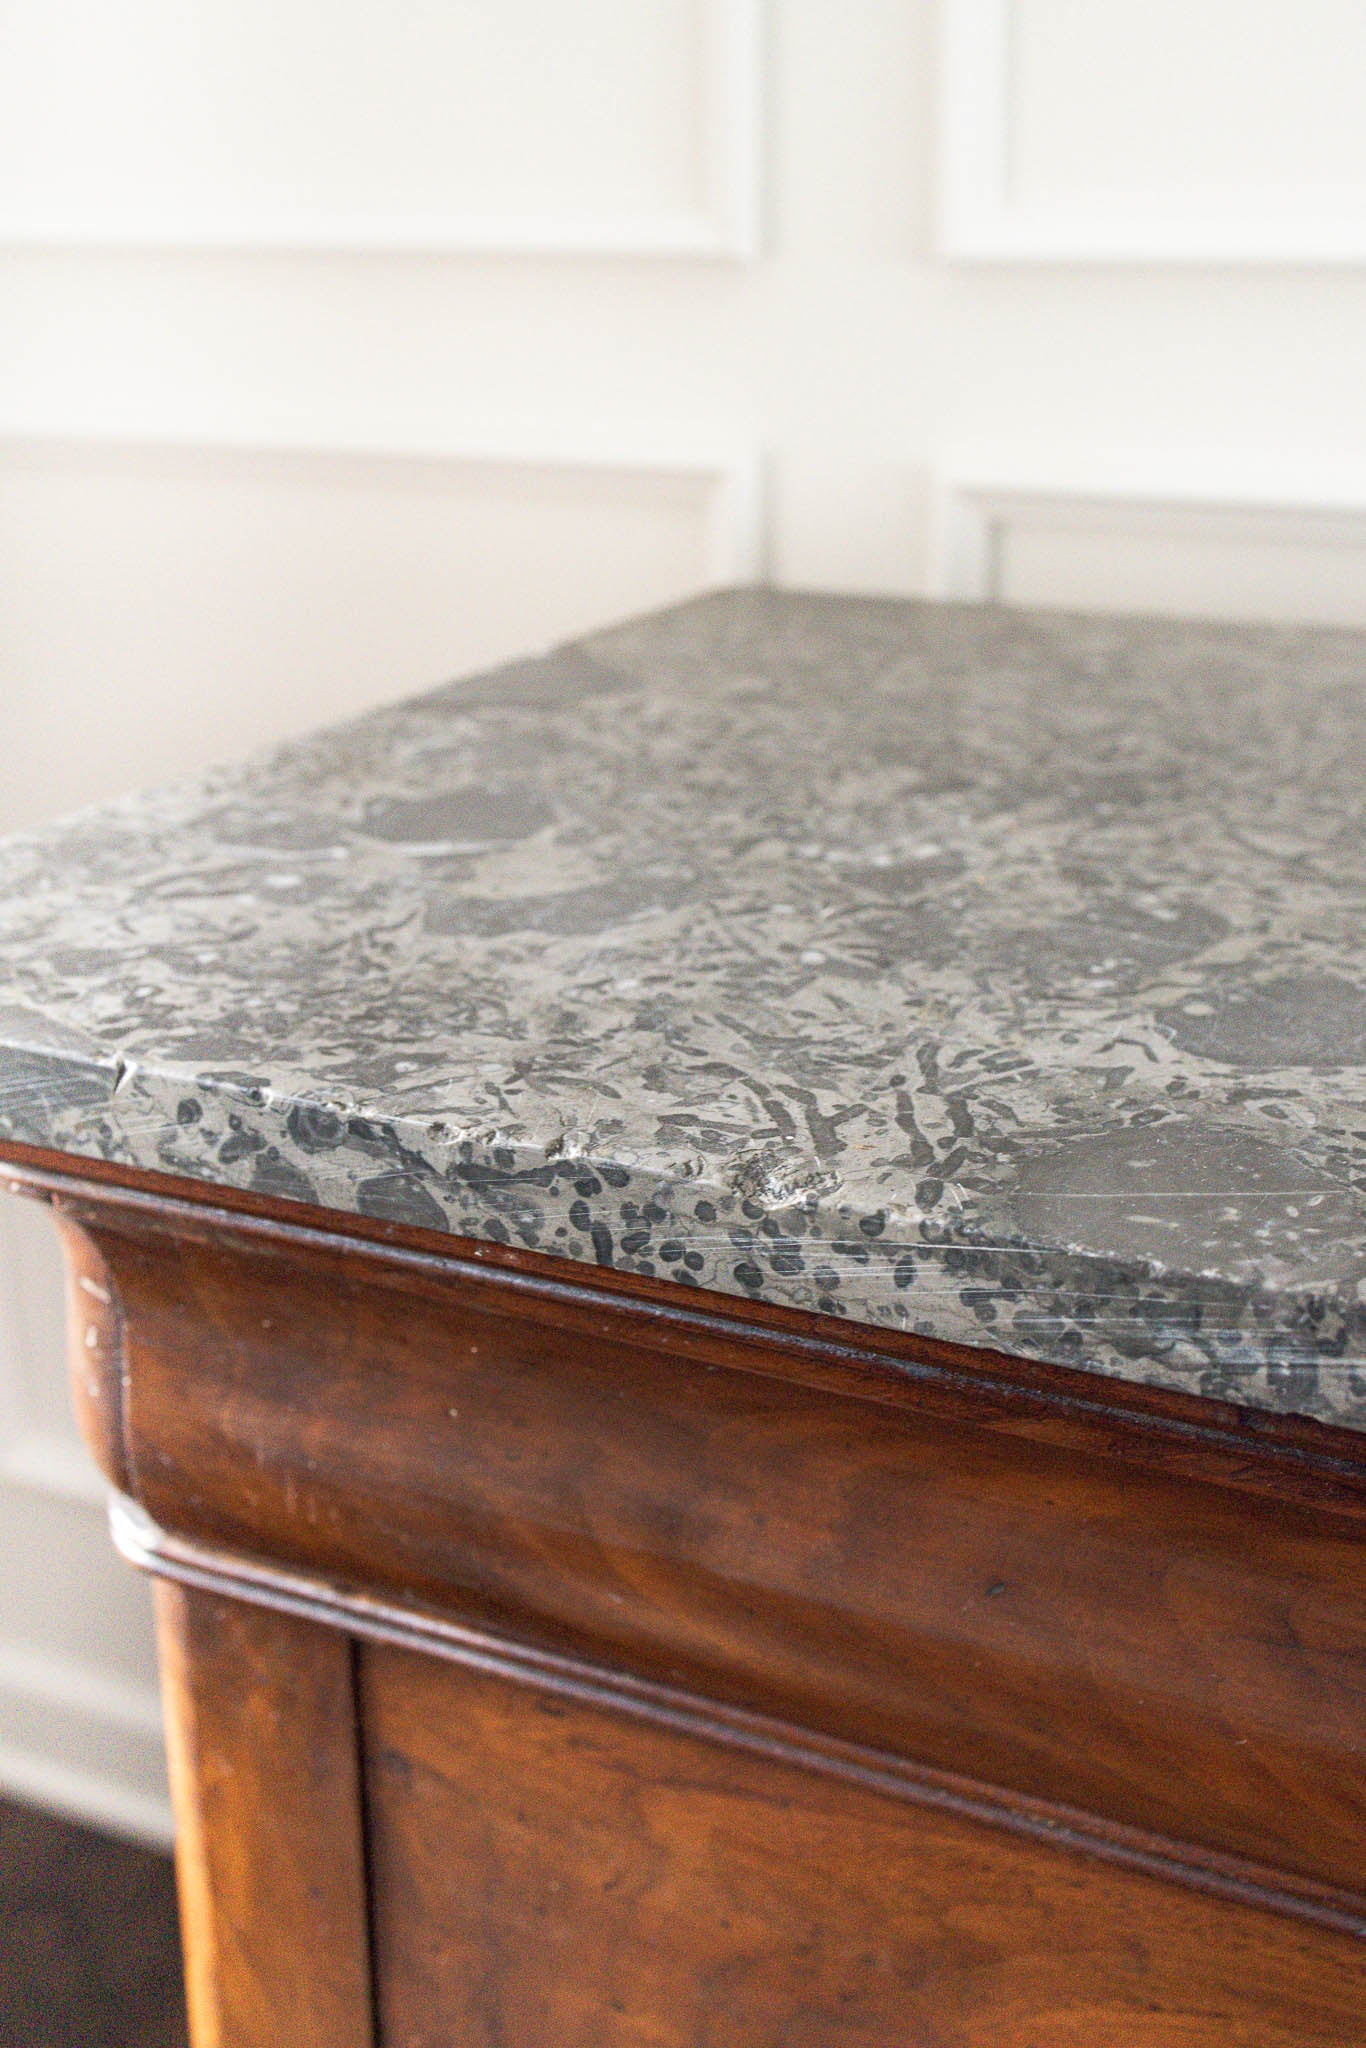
483, 124
1118, 536
79, 1721
183, 603
1165, 130
345, 347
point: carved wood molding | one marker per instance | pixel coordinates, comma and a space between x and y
308, 1597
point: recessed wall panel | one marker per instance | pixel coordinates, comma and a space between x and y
1196, 554
1227, 102
450, 122
1211, 131
163, 609
1230, 569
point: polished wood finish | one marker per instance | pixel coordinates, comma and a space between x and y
261, 1740
402, 1624
1191, 1432
94, 1351
1007, 1627
546, 1872
1063, 1615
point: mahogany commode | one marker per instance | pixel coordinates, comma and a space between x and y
723, 1275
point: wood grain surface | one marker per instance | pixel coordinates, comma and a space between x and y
545, 1872
264, 1777
1065, 1615
767, 1680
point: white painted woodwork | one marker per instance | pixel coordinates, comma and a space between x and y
1154, 130
225, 597
1125, 535
445, 124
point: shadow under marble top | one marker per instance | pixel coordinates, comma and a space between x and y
994, 974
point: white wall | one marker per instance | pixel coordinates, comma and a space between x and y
345, 347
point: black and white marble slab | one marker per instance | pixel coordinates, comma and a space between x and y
992, 974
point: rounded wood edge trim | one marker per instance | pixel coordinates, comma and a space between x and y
310, 1597
879, 1364
94, 1349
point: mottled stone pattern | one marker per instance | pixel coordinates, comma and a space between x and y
991, 974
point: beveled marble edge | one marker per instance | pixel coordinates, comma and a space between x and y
1249, 1344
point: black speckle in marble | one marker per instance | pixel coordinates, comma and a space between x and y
991, 974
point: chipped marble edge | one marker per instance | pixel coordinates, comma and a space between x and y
1287, 1351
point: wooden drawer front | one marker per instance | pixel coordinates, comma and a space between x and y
1042, 1608
546, 1871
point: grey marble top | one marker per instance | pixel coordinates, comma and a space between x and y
991, 974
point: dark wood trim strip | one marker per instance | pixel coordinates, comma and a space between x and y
365, 1843
331, 1604
872, 1363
